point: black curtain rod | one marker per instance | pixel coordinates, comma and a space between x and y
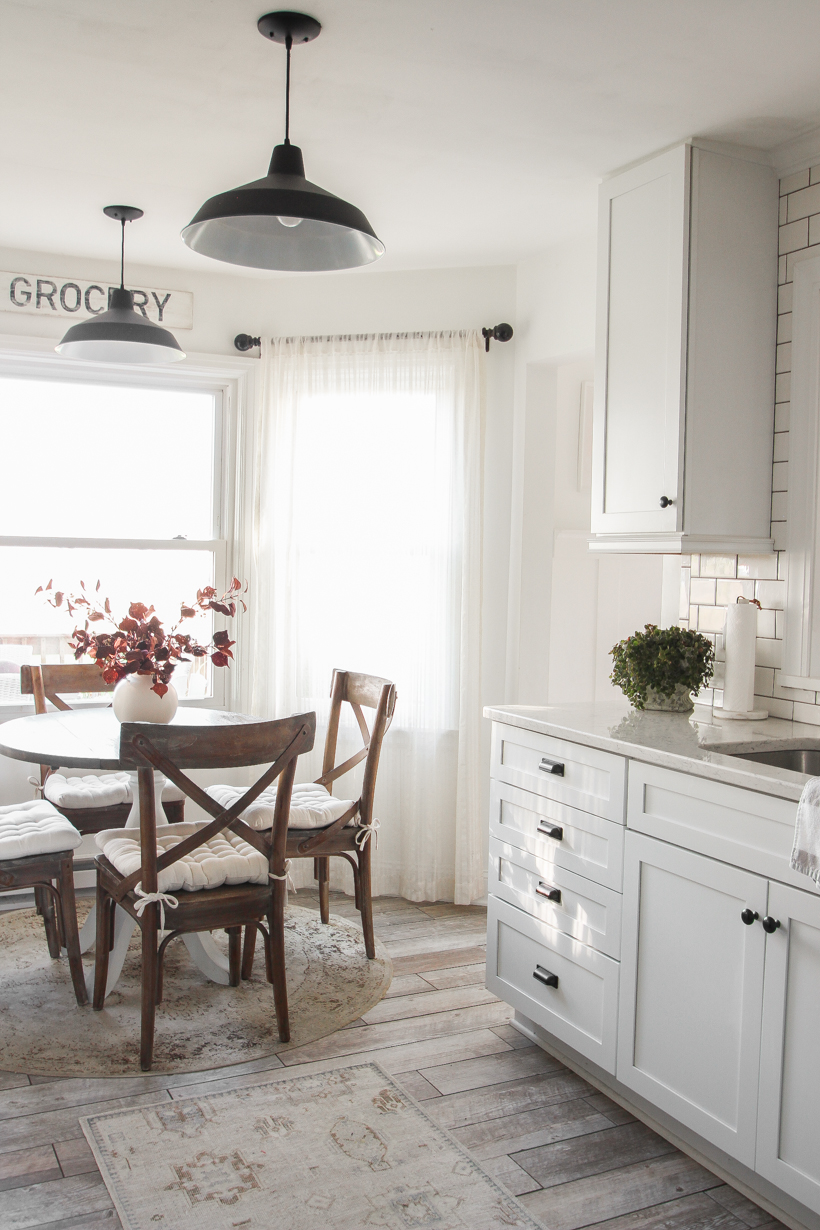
497, 333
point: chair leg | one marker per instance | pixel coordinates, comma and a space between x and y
68, 919
248, 950
366, 906
276, 945
234, 955
45, 908
324, 888
102, 947
148, 925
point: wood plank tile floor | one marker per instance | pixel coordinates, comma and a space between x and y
574, 1157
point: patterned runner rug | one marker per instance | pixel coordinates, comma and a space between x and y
199, 1024
339, 1150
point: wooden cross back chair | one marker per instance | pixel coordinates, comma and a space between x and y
141, 878
50, 683
343, 839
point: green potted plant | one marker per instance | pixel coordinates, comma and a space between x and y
659, 668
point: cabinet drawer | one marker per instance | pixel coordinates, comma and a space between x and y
590, 780
582, 908
587, 845
741, 827
580, 1008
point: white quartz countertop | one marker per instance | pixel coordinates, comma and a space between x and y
691, 743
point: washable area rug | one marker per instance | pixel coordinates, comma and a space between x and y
199, 1024
341, 1150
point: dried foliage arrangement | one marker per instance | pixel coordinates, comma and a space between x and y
660, 659
138, 644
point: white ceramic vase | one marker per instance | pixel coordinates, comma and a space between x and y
135, 701
679, 702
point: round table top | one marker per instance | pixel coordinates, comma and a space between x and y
88, 738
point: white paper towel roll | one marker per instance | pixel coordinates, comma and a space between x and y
740, 634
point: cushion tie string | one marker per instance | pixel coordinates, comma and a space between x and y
364, 831
146, 899
286, 877
36, 783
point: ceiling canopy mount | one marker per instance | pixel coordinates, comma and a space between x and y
283, 221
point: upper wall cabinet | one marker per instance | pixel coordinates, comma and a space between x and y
685, 351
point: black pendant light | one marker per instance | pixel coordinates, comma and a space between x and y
121, 335
283, 221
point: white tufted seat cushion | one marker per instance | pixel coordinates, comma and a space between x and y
98, 790
311, 806
34, 827
225, 859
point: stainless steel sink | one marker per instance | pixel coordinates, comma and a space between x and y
798, 759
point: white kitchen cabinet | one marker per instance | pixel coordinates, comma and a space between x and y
692, 990
788, 1126
685, 349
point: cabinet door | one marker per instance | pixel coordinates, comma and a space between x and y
788, 1132
692, 990
643, 245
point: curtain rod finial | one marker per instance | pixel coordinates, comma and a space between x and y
244, 341
498, 333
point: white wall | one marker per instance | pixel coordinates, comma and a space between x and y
567, 606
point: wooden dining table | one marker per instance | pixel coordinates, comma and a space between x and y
90, 739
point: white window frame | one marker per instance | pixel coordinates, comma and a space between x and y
232, 382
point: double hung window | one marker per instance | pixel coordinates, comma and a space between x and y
119, 483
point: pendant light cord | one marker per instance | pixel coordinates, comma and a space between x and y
122, 256
288, 45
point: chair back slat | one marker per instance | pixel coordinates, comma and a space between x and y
362, 689
169, 748
56, 679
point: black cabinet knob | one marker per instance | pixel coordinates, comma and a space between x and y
749, 916
770, 924
544, 975
665, 501
552, 830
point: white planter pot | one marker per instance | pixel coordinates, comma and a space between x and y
679, 702
135, 701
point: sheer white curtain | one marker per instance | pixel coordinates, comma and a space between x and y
367, 556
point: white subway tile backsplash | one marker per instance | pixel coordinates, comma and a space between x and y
784, 324
779, 622
781, 446
771, 594
792, 183
768, 653
784, 210
782, 415
702, 590
780, 535
785, 297
764, 680
807, 713
780, 505
780, 475
712, 619
757, 566
730, 591
784, 355
782, 570
783, 387
718, 565
814, 229
683, 612
694, 565
804, 202
767, 624
778, 708
793, 236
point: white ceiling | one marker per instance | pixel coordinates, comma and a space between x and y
469, 131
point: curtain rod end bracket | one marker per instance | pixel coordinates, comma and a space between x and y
497, 333
244, 341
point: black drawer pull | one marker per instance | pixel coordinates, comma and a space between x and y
549, 891
770, 924
543, 975
552, 830
551, 766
